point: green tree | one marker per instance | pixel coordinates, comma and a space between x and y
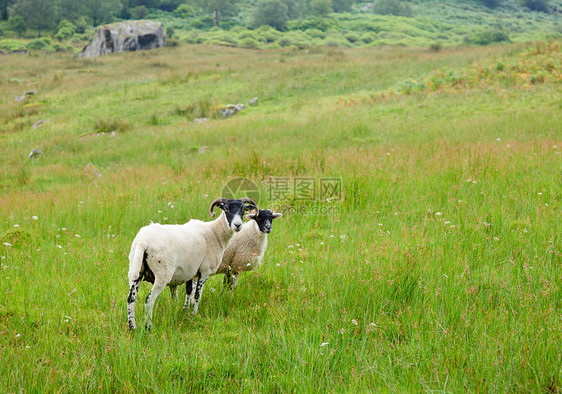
38, 14
101, 11
184, 11
4, 4
537, 5
71, 9
16, 23
272, 13
321, 7
219, 8
342, 5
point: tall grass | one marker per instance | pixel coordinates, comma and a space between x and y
438, 270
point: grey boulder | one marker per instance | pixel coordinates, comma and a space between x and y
125, 36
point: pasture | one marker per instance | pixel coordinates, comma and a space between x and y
437, 267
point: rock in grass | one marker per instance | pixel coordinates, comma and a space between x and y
37, 124
231, 109
92, 170
253, 102
19, 99
35, 154
125, 36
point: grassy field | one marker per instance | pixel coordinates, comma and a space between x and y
438, 270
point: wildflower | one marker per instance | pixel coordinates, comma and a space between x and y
354, 321
7, 244
77, 235
279, 265
58, 246
324, 344
34, 217
438, 214
16, 225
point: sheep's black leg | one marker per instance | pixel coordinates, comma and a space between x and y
131, 302
234, 281
174, 292
190, 285
198, 293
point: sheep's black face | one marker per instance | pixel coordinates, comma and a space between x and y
234, 211
264, 218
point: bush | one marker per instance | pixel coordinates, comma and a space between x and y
139, 12
58, 47
64, 34
183, 11
488, 37
17, 25
248, 43
11, 45
38, 43
170, 32
81, 25
352, 37
284, 42
435, 47
537, 5
392, 7
315, 33
322, 24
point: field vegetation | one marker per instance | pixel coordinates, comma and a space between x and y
438, 269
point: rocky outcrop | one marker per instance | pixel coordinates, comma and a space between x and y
125, 36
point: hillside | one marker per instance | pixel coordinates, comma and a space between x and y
424, 24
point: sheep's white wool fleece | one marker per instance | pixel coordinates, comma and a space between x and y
245, 247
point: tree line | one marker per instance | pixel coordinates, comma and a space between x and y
67, 17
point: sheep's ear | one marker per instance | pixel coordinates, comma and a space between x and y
277, 215
251, 216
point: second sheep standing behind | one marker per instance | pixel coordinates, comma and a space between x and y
247, 247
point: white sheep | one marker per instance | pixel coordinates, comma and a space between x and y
170, 255
247, 247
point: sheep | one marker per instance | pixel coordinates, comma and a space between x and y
247, 247
170, 255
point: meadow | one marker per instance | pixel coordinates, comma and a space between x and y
438, 269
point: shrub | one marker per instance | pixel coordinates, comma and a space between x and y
367, 38
435, 47
17, 25
488, 37
183, 11
58, 47
352, 37
64, 34
139, 12
170, 32
38, 43
284, 42
322, 24
392, 7
81, 25
248, 43
11, 45
315, 33
537, 5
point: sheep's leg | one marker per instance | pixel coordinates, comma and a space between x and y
227, 280
198, 293
234, 281
174, 292
190, 286
151, 299
131, 302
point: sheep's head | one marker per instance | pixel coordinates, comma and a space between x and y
264, 218
234, 210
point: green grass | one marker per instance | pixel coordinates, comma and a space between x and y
439, 269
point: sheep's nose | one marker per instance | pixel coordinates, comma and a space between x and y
268, 229
237, 226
